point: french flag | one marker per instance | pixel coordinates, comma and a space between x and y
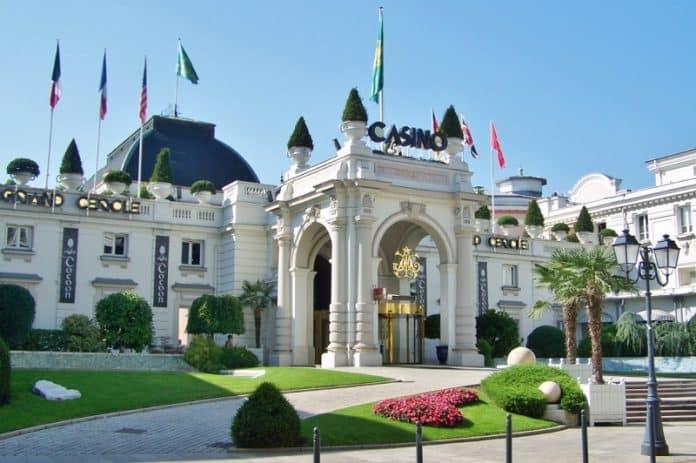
102, 89
55, 80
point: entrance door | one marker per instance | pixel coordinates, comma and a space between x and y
321, 334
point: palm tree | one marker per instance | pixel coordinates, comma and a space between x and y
565, 292
258, 296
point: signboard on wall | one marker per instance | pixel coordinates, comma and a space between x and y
161, 271
68, 265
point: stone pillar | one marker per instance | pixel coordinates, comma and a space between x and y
303, 316
282, 351
366, 348
463, 349
337, 354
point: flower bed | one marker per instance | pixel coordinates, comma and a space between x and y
430, 409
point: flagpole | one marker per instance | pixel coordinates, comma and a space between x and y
492, 196
96, 162
176, 96
50, 137
140, 159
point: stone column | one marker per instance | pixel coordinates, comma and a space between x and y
366, 348
303, 316
337, 354
282, 351
464, 347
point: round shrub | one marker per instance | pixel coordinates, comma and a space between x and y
515, 389
608, 232
483, 213
560, 227
432, 326
211, 314
204, 355
547, 341
266, 420
508, 220
125, 321
238, 357
17, 310
81, 334
499, 330
5, 370
19, 165
202, 185
118, 176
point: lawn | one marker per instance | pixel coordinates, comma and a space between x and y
358, 425
111, 391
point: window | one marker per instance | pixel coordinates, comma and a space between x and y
192, 253
19, 237
115, 244
684, 217
510, 276
642, 227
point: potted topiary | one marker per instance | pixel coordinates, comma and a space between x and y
300, 146
203, 190
71, 168
483, 219
584, 228
160, 184
354, 124
534, 219
507, 223
22, 170
560, 231
117, 181
452, 128
608, 236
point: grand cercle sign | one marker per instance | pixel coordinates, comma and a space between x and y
502, 242
56, 199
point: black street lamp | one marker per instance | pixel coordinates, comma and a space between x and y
656, 263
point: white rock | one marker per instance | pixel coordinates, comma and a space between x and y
53, 391
551, 390
521, 356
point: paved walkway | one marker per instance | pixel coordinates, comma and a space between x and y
200, 432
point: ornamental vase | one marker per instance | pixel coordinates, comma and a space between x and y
70, 181
160, 190
22, 178
115, 187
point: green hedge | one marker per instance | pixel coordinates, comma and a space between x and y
81, 334
45, 340
515, 389
204, 355
17, 310
125, 320
547, 341
5, 370
238, 357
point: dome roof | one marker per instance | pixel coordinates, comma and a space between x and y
195, 153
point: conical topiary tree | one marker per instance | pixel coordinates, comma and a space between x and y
162, 173
71, 163
300, 136
450, 124
483, 213
584, 222
354, 109
534, 217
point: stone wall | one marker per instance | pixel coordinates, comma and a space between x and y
98, 361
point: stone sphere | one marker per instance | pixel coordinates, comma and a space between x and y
521, 356
551, 390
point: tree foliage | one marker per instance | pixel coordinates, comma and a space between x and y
300, 135
354, 109
499, 330
211, 314
81, 334
162, 171
258, 296
584, 222
483, 213
547, 341
534, 215
71, 162
17, 310
451, 125
125, 321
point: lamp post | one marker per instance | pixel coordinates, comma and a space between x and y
656, 263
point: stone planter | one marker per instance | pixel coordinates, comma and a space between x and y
22, 178
70, 181
354, 131
482, 225
454, 146
534, 231
507, 229
299, 155
116, 187
607, 402
585, 237
203, 197
160, 190
560, 235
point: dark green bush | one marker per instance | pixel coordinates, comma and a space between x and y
534, 215
162, 172
451, 126
202, 185
608, 232
483, 213
515, 389
118, 176
45, 340
547, 341
81, 334
300, 135
584, 223
354, 109
499, 330
5, 370
204, 355
432, 326
266, 420
508, 220
672, 339
238, 357
17, 309
125, 321
144, 194
609, 344
560, 227
485, 349
19, 165
215, 314
71, 163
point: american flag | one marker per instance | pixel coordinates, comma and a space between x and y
143, 96
102, 89
468, 139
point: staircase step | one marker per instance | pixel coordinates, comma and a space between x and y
677, 400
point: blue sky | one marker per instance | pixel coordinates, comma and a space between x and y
573, 87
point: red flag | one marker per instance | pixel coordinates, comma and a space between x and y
468, 139
102, 89
143, 96
495, 146
436, 126
55, 80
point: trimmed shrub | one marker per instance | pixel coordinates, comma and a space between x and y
560, 227
547, 341
238, 357
572, 237
204, 355
484, 348
17, 310
483, 213
18, 165
81, 334
162, 172
584, 222
266, 420
432, 326
71, 163
5, 370
499, 330
300, 135
215, 314
534, 215
354, 109
144, 194
45, 340
515, 389
608, 232
202, 185
118, 176
125, 321
508, 220
430, 409
451, 126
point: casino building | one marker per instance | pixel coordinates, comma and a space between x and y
346, 241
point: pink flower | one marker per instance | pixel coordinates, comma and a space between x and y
431, 409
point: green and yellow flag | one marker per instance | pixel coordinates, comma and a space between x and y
378, 67
184, 67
